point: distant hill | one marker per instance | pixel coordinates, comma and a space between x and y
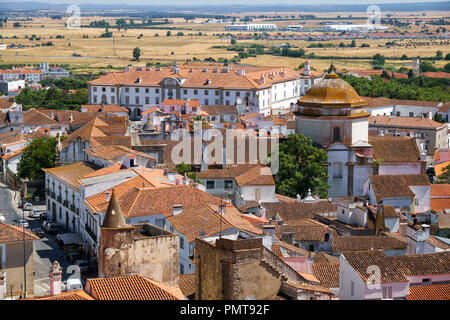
405, 7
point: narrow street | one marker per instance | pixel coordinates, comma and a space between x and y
46, 250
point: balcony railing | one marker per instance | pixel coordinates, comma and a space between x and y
66, 203
58, 198
90, 232
72, 207
52, 194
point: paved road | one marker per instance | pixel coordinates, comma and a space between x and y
46, 250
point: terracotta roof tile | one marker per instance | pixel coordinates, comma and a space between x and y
188, 284
305, 230
10, 233
423, 264
439, 291
68, 295
394, 149
397, 185
193, 220
297, 210
196, 77
133, 287
403, 122
327, 273
357, 243
361, 260
70, 173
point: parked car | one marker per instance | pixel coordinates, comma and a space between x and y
39, 232
23, 223
34, 213
28, 206
83, 264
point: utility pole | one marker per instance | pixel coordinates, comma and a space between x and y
24, 262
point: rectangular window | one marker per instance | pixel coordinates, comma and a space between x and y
136, 100
206, 102
147, 90
227, 93
184, 91
127, 89
209, 184
157, 100
94, 89
181, 243
113, 100
416, 201
411, 114
113, 89
95, 99
147, 100
227, 102
206, 92
217, 102
217, 92
398, 113
127, 99
238, 94
136, 90
228, 184
157, 90
195, 92
103, 89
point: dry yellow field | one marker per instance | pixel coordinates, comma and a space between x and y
117, 51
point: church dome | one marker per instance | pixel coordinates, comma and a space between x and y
331, 96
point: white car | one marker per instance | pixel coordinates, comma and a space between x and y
23, 223
35, 213
28, 206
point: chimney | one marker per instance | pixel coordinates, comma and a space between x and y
71, 117
299, 198
263, 213
430, 115
2, 286
52, 115
55, 278
107, 196
177, 209
269, 229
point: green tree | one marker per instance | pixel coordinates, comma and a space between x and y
447, 56
353, 44
183, 168
168, 34
439, 55
445, 176
378, 59
136, 53
301, 166
39, 154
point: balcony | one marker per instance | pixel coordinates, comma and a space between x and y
52, 194
66, 203
72, 207
47, 191
58, 198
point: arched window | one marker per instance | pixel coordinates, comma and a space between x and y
336, 134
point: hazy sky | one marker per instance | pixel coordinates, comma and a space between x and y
215, 2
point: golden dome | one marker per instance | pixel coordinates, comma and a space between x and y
332, 93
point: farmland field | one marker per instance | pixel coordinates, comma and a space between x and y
197, 42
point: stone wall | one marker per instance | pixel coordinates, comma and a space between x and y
234, 270
126, 251
14, 268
